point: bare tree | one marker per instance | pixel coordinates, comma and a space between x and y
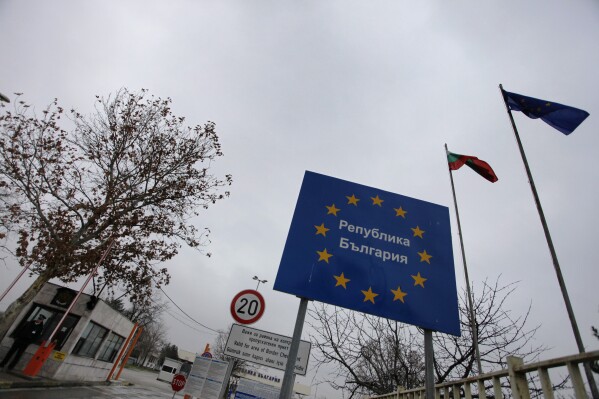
370, 355
500, 333
116, 303
168, 350
148, 315
132, 173
152, 340
5, 197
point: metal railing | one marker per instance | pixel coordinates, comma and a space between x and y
514, 379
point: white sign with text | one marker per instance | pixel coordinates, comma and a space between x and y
265, 348
208, 378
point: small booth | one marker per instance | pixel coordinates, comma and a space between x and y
181, 365
169, 368
88, 341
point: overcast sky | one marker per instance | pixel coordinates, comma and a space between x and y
366, 91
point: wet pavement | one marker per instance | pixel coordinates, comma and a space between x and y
133, 384
91, 392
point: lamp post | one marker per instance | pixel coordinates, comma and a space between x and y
259, 281
4, 98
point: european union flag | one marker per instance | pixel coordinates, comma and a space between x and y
373, 251
562, 117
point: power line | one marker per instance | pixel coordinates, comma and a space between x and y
182, 322
185, 313
179, 320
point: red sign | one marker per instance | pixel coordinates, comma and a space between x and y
247, 307
178, 382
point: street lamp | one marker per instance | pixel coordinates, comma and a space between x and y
259, 281
4, 98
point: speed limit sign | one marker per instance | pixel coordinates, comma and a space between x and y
247, 307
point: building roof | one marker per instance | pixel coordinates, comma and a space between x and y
186, 355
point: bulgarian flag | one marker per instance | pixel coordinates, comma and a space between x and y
456, 161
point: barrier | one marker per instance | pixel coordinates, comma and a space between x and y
39, 358
514, 380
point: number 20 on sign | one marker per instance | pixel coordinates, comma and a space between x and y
247, 307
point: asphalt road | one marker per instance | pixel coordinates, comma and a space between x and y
95, 392
146, 379
145, 386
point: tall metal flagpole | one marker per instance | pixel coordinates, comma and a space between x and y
473, 324
558, 271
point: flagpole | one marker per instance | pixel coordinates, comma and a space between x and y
473, 324
558, 271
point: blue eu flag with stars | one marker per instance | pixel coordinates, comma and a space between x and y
372, 251
562, 117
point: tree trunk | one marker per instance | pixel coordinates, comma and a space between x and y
15, 308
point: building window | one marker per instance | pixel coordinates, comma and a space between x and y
111, 347
169, 369
90, 340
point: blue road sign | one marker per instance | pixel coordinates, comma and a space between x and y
373, 251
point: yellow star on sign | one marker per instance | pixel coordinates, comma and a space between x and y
424, 257
400, 212
321, 230
418, 232
332, 210
352, 200
369, 295
377, 201
323, 255
341, 281
419, 280
398, 294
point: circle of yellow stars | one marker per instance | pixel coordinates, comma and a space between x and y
341, 280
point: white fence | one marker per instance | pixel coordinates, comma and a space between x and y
514, 379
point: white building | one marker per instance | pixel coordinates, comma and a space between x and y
151, 361
186, 356
88, 341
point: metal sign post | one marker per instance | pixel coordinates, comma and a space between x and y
429, 379
289, 377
